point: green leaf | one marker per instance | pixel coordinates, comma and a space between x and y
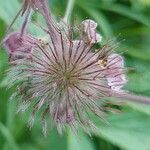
141, 108
8, 137
99, 18
136, 52
128, 12
12, 10
129, 130
123, 10
79, 142
139, 78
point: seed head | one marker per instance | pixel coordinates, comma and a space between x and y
66, 78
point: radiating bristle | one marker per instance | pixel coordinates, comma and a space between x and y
69, 77
63, 76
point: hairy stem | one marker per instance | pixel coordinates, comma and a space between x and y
25, 23
132, 97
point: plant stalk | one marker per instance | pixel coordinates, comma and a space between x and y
132, 97
69, 10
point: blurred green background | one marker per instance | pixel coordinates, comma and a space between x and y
128, 130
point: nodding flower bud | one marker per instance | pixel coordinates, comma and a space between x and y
19, 47
19, 44
90, 28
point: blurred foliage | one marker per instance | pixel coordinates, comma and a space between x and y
129, 130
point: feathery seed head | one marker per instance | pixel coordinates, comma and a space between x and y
64, 76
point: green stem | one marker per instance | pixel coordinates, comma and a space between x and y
69, 10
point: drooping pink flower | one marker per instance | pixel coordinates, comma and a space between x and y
19, 44
19, 47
